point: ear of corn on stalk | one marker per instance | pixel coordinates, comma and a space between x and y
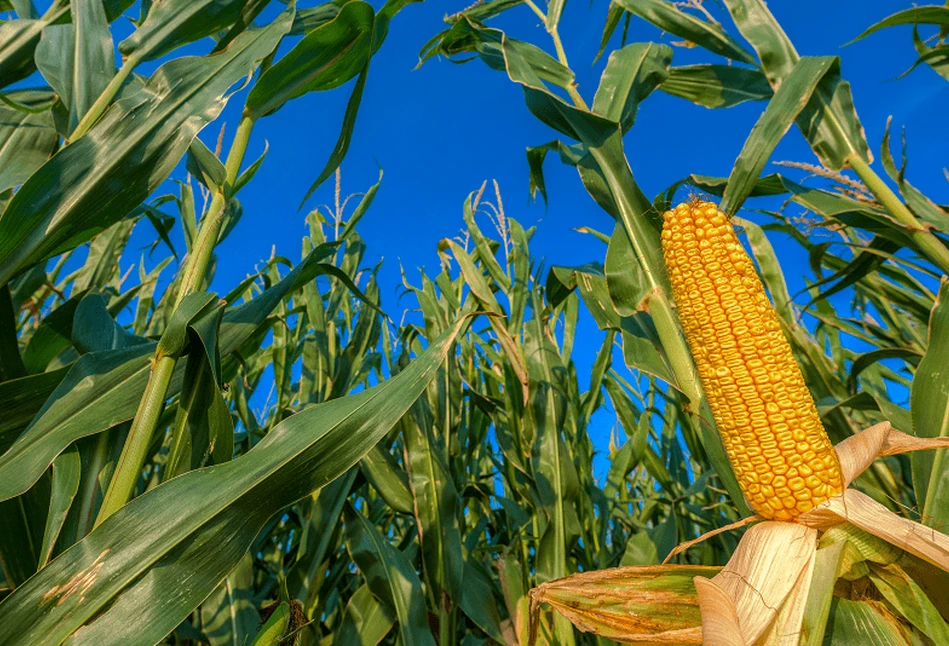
776, 443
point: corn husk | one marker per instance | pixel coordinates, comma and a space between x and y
769, 593
773, 559
637, 605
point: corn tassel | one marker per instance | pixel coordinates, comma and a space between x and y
776, 443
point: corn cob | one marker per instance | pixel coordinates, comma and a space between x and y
776, 443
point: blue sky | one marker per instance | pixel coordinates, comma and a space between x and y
441, 130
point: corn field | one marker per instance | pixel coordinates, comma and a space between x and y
296, 458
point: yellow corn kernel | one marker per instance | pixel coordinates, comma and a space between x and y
733, 332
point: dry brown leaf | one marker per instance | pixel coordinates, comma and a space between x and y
856, 507
785, 630
681, 547
720, 625
763, 571
857, 452
899, 442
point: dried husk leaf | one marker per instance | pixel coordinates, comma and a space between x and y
720, 625
857, 452
684, 545
654, 604
867, 514
765, 569
786, 629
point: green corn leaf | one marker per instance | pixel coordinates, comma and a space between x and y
128, 563
478, 603
829, 121
173, 23
850, 212
310, 18
554, 11
94, 329
203, 432
345, 135
926, 15
23, 398
64, 484
205, 166
557, 481
101, 269
18, 41
27, 140
631, 74
23, 8
77, 59
821, 593
922, 207
667, 17
855, 622
99, 179
365, 621
324, 510
326, 58
936, 57
229, 616
485, 10
910, 601
116, 381
248, 13
436, 502
929, 401
390, 576
792, 95
11, 363
23, 520
115, 8
717, 86
388, 479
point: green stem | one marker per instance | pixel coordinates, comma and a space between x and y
87, 495
561, 54
146, 421
444, 624
536, 10
54, 12
104, 100
562, 57
210, 228
934, 249
129, 467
